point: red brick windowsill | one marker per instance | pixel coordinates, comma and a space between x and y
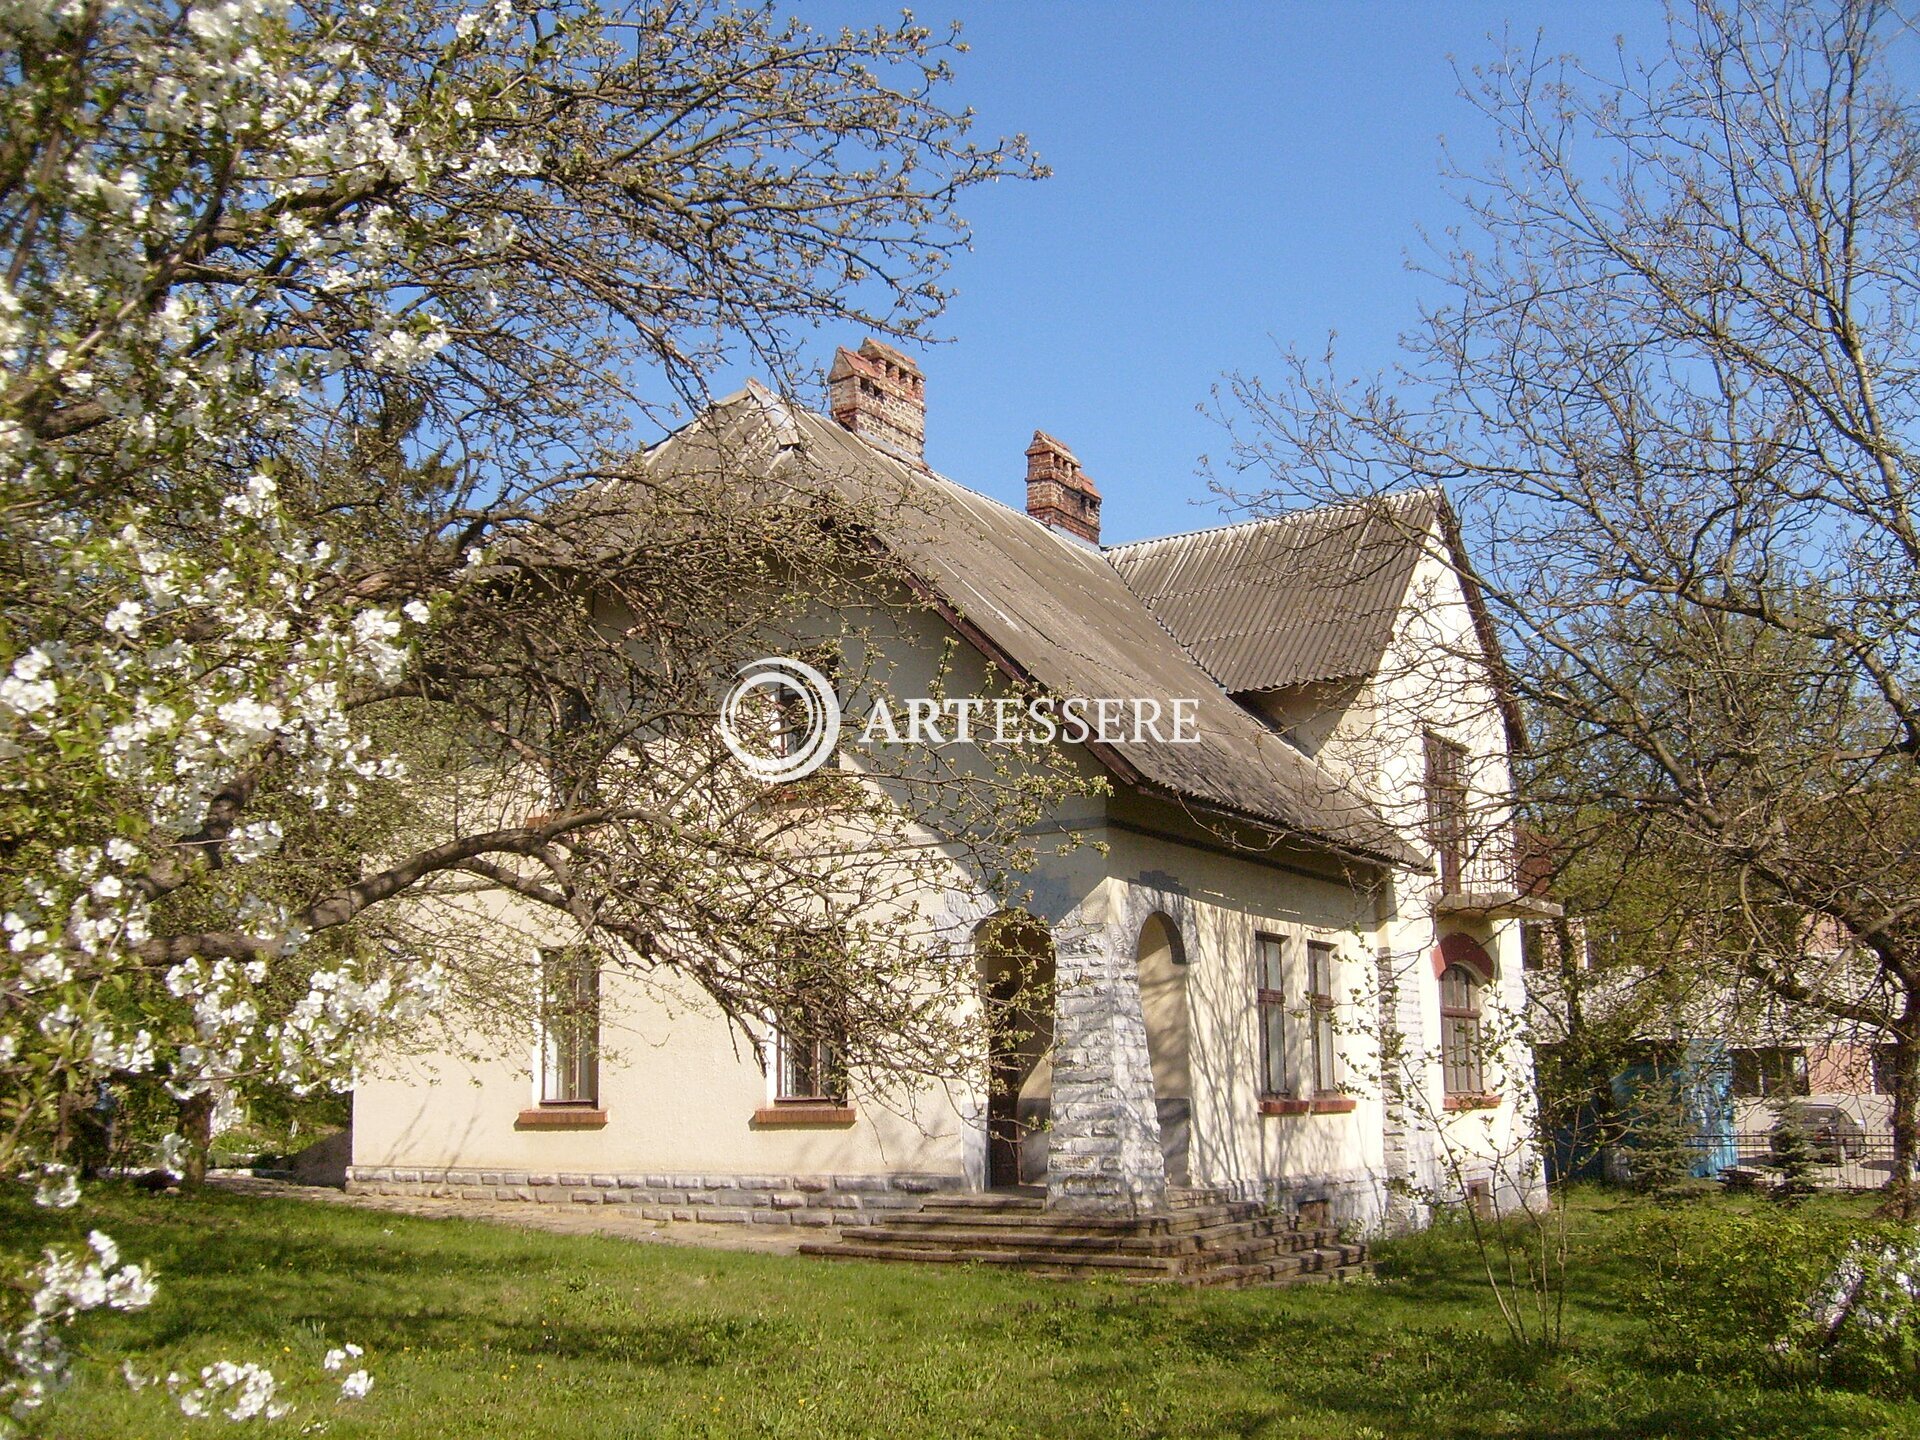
1318, 1105
561, 1117
802, 1114
1473, 1102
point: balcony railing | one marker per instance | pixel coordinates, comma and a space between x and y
1484, 882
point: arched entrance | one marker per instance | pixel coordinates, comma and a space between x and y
1163, 999
1015, 956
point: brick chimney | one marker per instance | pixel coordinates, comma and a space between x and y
1060, 495
878, 394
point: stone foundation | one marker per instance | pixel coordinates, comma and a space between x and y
815, 1200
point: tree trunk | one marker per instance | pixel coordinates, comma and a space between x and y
1904, 1116
196, 1124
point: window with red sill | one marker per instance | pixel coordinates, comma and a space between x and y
1302, 1035
1270, 994
809, 1066
1462, 1060
570, 1028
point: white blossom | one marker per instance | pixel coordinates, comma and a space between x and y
125, 619
58, 1188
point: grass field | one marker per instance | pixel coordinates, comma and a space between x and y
473, 1330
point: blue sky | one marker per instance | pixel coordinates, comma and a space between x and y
1225, 176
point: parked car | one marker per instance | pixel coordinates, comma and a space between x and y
1833, 1136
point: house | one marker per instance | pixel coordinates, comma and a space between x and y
1743, 1057
1278, 974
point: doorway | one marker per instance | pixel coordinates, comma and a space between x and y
1015, 957
1163, 1002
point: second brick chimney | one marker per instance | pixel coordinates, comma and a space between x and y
1060, 495
878, 394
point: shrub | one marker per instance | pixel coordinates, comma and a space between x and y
1793, 1295
1660, 1134
1793, 1157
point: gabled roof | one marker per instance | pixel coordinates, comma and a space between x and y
1054, 612
1297, 598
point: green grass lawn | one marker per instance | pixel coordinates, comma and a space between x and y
474, 1330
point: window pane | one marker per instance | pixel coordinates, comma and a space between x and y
1461, 1071
809, 1034
1325, 1074
810, 1068
1446, 787
1320, 969
1270, 954
1883, 1069
570, 1025
1273, 1049
1460, 989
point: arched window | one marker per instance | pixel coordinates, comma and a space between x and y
1463, 1071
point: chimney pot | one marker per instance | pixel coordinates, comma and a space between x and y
1060, 495
880, 395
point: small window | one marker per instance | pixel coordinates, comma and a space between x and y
1601, 949
1767, 1072
1326, 1080
791, 712
809, 1038
1537, 948
810, 1067
1462, 1064
1883, 1069
1269, 956
569, 1026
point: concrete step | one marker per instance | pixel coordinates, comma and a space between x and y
979, 1207
989, 1200
1306, 1267
1007, 1237
1055, 1224
1088, 1264
1237, 1243
1270, 1234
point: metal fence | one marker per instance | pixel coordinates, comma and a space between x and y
1858, 1159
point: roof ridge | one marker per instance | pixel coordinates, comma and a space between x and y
1064, 615
841, 432
1287, 518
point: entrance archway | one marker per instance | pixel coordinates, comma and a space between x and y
1015, 956
1163, 999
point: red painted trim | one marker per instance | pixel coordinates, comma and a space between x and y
561, 1117
784, 1116
1471, 1101
1318, 1105
1457, 949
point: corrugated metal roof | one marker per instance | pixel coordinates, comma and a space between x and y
1061, 613
1300, 597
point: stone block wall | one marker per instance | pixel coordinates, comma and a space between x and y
1105, 1151
816, 1200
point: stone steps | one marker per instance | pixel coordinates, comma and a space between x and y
1208, 1242
1272, 1234
1025, 1211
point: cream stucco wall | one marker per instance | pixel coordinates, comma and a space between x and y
680, 1087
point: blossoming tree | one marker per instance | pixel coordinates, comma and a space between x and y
304, 311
